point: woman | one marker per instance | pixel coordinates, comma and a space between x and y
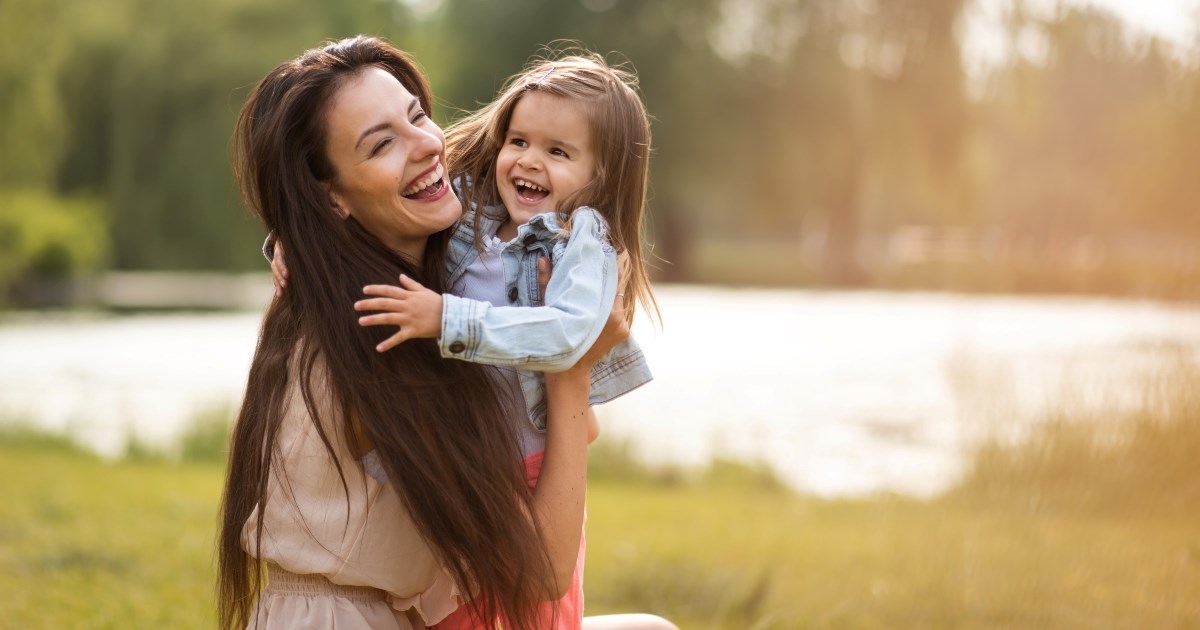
378, 489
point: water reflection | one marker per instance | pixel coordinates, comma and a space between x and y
842, 393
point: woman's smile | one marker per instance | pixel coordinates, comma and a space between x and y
431, 185
387, 159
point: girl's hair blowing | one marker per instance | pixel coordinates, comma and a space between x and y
449, 451
620, 133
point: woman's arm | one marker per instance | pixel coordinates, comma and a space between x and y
559, 496
558, 499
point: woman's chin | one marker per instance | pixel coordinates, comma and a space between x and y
448, 210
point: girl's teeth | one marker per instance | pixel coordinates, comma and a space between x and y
521, 182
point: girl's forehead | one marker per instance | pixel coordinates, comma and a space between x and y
552, 119
540, 109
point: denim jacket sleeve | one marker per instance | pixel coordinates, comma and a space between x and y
547, 338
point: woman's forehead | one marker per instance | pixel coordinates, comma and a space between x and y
370, 98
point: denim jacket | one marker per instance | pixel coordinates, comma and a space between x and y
539, 335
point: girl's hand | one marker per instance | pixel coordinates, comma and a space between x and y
415, 310
279, 272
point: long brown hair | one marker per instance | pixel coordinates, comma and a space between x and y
437, 425
620, 132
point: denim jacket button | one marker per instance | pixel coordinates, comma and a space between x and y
512, 295
457, 347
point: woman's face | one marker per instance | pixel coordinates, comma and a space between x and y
387, 161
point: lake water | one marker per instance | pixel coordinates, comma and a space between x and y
843, 393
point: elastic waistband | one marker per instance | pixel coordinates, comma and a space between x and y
283, 582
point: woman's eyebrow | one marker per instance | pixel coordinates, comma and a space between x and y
373, 129
413, 103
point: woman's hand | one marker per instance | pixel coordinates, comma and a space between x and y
279, 272
616, 330
616, 327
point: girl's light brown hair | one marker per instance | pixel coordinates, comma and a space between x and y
449, 450
620, 133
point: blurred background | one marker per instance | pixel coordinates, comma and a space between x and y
930, 349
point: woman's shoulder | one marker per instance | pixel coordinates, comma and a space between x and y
311, 399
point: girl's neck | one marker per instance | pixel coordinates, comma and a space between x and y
508, 229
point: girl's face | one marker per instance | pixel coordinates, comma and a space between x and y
387, 156
546, 156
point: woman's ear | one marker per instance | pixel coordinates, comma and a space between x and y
335, 201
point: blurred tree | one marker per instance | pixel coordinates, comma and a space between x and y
776, 122
31, 116
152, 90
864, 114
1083, 129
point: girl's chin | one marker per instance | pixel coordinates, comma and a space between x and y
522, 212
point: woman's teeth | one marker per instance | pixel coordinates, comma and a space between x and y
432, 178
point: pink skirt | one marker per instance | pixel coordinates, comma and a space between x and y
570, 607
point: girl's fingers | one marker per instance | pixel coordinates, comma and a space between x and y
410, 284
379, 304
389, 299
383, 319
392, 342
384, 290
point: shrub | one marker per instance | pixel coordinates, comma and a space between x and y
45, 236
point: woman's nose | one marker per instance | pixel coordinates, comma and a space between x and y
426, 143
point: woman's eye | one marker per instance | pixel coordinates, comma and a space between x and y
379, 147
418, 116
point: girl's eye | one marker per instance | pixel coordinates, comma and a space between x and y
518, 142
559, 152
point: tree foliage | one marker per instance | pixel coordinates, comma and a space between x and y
793, 122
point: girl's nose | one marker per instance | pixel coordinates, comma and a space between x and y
528, 162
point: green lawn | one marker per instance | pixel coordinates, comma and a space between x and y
91, 544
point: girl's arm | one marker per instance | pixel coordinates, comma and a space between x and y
547, 338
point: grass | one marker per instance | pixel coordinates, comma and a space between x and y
86, 543
1071, 527
1142, 461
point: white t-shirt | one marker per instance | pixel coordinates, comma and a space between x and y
483, 280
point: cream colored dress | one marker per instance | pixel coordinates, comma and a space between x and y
335, 563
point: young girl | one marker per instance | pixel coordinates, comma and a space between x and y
555, 167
